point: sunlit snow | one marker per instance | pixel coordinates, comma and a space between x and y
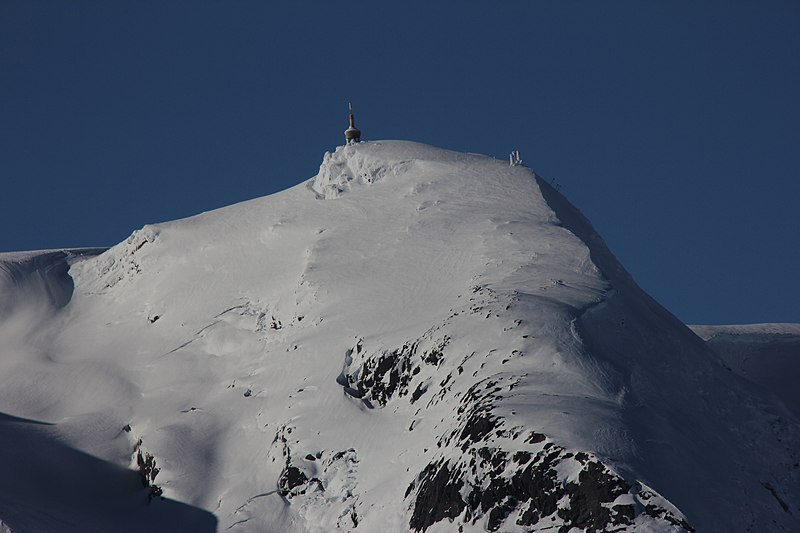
314, 359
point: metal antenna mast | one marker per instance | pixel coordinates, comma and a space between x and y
352, 134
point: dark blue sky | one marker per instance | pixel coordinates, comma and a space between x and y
672, 125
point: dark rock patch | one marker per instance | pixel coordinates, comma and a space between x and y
382, 376
438, 496
435, 355
148, 471
477, 426
291, 477
418, 393
499, 483
662, 514
595, 486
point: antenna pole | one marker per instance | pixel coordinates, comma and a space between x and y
352, 118
352, 134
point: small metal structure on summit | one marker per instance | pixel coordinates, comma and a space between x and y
352, 134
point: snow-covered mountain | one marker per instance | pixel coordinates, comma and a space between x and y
414, 339
767, 354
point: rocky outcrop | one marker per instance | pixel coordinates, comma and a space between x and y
517, 491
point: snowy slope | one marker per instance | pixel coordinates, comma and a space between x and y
413, 339
767, 354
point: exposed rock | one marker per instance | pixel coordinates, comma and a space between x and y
529, 486
381, 376
438, 497
148, 471
291, 478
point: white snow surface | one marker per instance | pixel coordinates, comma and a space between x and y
221, 345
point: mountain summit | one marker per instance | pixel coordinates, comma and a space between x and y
414, 339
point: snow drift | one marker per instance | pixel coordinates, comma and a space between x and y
414, 339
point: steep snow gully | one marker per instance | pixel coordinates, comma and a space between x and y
414, 339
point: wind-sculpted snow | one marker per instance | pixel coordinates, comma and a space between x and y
123, 262
345, 167
31, 278
349, 165
414, 339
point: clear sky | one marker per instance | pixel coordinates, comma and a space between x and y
674, 126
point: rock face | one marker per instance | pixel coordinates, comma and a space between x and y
414, 339
527, 492
500, 477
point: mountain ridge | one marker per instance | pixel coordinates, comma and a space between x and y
413, 338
